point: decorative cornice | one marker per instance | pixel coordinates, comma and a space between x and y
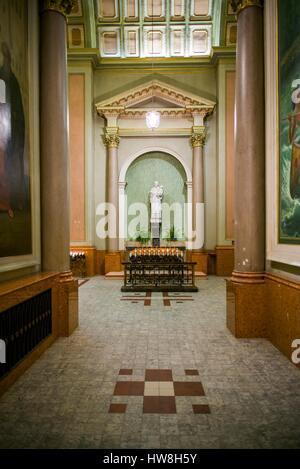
200, 111
240, 5
178, 103
155, 89
198, 137
60, 6
111, 137
139, 113
136, 113
109, 111
159, 132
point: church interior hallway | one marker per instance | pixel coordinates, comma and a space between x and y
155, 372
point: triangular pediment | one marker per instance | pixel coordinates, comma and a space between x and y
157, 103
155, 92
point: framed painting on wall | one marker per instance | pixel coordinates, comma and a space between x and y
289, 121
282, 242
19, 171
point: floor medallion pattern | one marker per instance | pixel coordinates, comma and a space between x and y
159, 391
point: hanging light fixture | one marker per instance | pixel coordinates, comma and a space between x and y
152, 117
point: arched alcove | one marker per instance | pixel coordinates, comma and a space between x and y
169, 172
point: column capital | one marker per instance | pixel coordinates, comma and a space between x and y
198, 136
122, 187
111, 137
63, 7
240, 5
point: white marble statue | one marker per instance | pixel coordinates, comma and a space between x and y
156, 196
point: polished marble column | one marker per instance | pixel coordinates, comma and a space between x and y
249, 145
246, 312
54, 134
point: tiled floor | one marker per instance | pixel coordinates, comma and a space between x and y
228, 393
159, 391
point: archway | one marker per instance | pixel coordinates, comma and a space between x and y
136, 178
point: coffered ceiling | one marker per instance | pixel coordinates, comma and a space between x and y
151, 29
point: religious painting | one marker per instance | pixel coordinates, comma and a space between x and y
289, 121
15, 202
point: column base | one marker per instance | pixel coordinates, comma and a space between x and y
67, 304
245, 309
248, 277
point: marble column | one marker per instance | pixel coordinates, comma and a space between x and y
112, 140
54, 134
246, 315
198, 142
249, 196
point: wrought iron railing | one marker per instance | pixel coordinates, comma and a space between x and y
24, 326
159, 276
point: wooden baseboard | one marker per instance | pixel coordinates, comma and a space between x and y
270, 310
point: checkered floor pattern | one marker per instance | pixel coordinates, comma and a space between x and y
165, 297
159, 391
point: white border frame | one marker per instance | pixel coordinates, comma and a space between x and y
192, 11
109, 29
172, 30
128, 18
148, 29
182, 10
10, 263
136, 30
200, 27
229, 25
107, 18
163, 10
81, 28
284, 253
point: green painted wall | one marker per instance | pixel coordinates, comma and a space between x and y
169, 172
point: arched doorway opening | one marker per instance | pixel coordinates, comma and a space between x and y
136, 179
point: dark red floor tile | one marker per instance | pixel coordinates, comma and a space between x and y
147, 301
167, 405
167, 302
158, 375
117, 408
159, 405
122, 388
191, 372
188, 389
136, 388
125, 371
201, 409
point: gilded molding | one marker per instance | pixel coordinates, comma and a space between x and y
198, 137
111, 138
240, 5
60, 6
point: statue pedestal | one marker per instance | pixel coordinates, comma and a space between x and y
156, 242
155, 234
